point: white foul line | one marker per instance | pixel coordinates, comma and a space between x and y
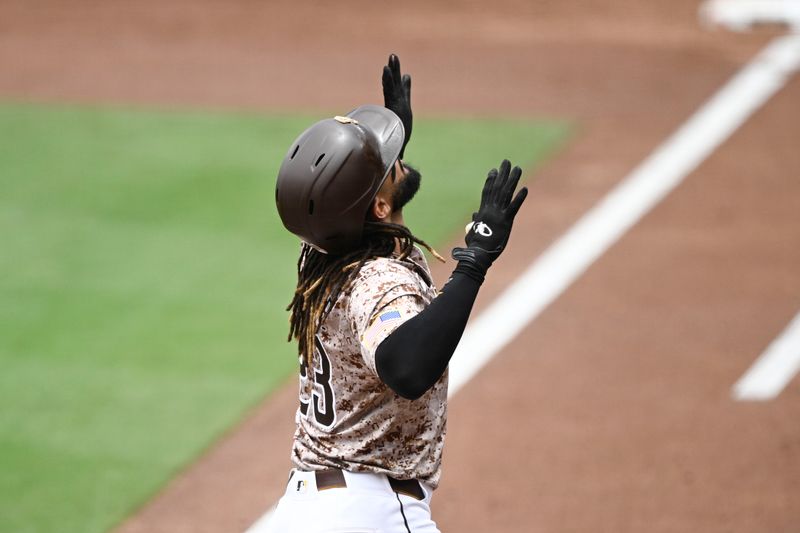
638, 193
741, 15
604, 224
776, 367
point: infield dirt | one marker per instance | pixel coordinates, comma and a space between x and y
612, 411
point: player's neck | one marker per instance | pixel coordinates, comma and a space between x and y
396, 217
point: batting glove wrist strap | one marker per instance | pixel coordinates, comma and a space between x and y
472, 262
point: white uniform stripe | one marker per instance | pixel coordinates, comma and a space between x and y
601, 227
776, 367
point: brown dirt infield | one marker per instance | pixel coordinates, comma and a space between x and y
612, 411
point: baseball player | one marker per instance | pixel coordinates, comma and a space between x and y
374, 336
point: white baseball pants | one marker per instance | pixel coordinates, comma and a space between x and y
367, 505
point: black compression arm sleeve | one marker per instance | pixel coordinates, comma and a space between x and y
415, 355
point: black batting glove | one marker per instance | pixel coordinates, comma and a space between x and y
491, 224
397, 95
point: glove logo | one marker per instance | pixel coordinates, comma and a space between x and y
482, 229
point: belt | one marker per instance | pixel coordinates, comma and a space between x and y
333, 479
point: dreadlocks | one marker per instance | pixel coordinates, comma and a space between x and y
321, 278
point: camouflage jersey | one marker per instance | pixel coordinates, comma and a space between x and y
348, 418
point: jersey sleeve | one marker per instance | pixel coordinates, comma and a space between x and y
379, 304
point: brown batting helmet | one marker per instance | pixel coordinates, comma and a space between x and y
331, 174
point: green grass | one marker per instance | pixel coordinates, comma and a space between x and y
143, 279
454, 156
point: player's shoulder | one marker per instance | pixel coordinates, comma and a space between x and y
412, 265
387, 272
384, 279
383, 268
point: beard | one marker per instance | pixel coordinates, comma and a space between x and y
406, 189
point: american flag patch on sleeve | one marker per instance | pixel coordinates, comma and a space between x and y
376, 331
389, 315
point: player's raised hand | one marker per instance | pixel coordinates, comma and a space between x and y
488, 233
397, 95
